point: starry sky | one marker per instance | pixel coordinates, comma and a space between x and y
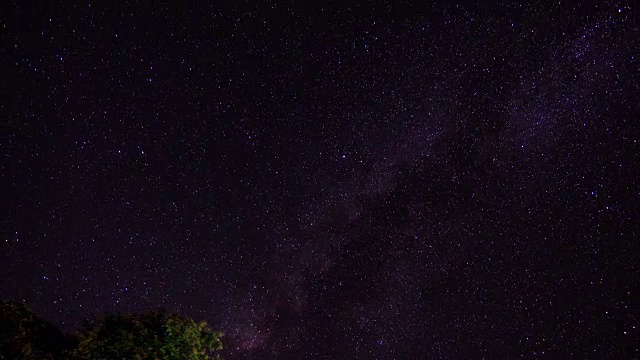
330, 181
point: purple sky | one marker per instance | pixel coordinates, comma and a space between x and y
331, 181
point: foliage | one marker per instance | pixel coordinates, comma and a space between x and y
153, 336
25, 336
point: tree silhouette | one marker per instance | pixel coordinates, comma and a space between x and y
25, 336
156, 335
153, 336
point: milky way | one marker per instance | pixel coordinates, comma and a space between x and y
330, 182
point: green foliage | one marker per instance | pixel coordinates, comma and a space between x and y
25, 336
153, 336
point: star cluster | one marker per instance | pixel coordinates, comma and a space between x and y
321, 181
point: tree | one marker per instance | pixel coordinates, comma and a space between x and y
156, 335
25, 336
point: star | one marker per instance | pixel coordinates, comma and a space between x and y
351, 178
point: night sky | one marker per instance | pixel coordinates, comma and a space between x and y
325, 181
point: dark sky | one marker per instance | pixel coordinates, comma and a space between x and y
324, 181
